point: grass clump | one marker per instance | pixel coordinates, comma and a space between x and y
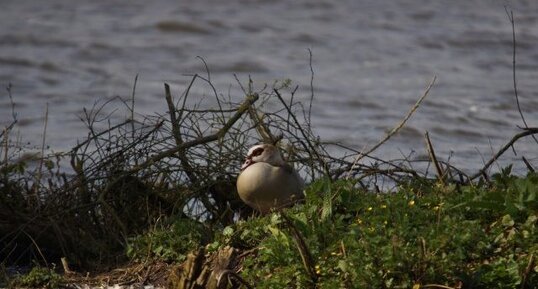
169, 243
38, 277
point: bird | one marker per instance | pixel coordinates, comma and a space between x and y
267, 182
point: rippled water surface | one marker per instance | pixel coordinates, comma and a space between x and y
372, 61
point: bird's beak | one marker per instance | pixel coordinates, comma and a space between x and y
247, 163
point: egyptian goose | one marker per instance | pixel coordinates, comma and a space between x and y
266, 181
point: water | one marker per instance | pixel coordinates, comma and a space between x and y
372, 61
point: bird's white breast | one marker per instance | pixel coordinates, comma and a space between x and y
263, 186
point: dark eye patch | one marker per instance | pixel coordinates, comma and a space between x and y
257, 152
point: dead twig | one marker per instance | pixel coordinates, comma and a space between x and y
527, 270
250, 99
436, 286
177, 135
510, 15
37, 248
304, 252
440, 174
13, 114
227, 273
311, 86
42, 157
396, 128
524, 133
528, 164
311, 146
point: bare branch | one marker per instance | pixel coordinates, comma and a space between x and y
510, 15
524, 133
399, 126
440, 174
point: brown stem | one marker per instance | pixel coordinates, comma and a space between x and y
524, 133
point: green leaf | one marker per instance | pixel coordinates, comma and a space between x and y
343, 265
489, 205
326, 211
228, 231
507, 221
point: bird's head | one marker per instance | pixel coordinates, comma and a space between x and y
266, 153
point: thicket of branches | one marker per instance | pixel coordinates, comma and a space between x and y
124, 178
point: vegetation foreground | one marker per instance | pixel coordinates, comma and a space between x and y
423, 236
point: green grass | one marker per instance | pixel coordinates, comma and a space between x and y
169, 243
38, 277
481, 236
